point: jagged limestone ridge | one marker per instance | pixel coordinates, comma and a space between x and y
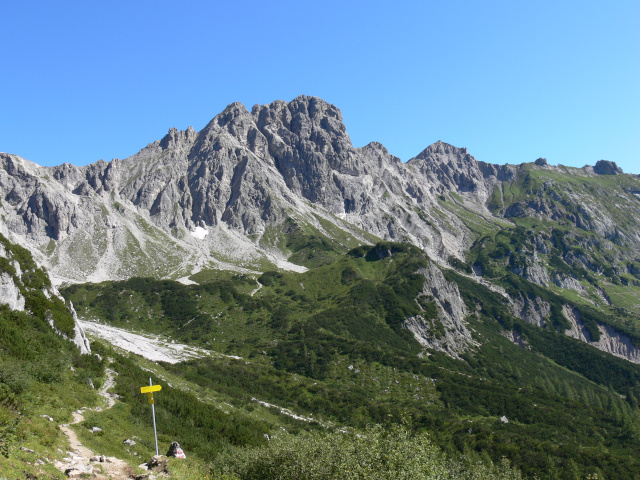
222, 197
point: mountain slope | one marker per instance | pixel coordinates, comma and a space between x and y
383, 335
43, 374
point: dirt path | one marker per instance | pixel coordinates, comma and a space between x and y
253, 292
83, 461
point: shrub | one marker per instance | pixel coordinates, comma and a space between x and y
376, 454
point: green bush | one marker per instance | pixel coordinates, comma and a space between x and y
375, 454
14, 376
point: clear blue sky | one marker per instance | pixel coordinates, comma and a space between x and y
511, 81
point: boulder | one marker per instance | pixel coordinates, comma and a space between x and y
175, 451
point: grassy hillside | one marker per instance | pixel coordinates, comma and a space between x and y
43, 377
330, 344
579, 226
229, 436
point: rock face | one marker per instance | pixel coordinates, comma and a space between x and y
450, 334
533, 270
20, 277
79, 337
569, 282
605, 167
453, 169
10, 293
611, 341
517, 339
533, 310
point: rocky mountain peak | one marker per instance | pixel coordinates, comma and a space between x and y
235, 119
452, 168
307, 140
442, 151
17, 166
317, 110
230, 129
175, 138
232, 112
376, 158
308, 118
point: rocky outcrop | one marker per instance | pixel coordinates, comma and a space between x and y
537, 273
533, 270
79, 337
10, 293
17, 271
611, 341
569, 282
533, 310
451, 336
516, 338
605, 167
449, 168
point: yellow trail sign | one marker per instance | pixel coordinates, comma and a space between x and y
150, 389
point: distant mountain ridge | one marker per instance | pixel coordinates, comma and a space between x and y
238, 180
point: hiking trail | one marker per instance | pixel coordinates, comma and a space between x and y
81, 461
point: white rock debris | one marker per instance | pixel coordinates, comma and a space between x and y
150, 347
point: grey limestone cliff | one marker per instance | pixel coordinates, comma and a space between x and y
448, 332
611, 341
241, 176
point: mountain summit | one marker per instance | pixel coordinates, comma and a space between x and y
247, 190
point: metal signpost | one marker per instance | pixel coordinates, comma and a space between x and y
149, 391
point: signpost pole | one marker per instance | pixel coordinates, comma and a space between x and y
153, 413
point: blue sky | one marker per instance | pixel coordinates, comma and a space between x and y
511, 81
